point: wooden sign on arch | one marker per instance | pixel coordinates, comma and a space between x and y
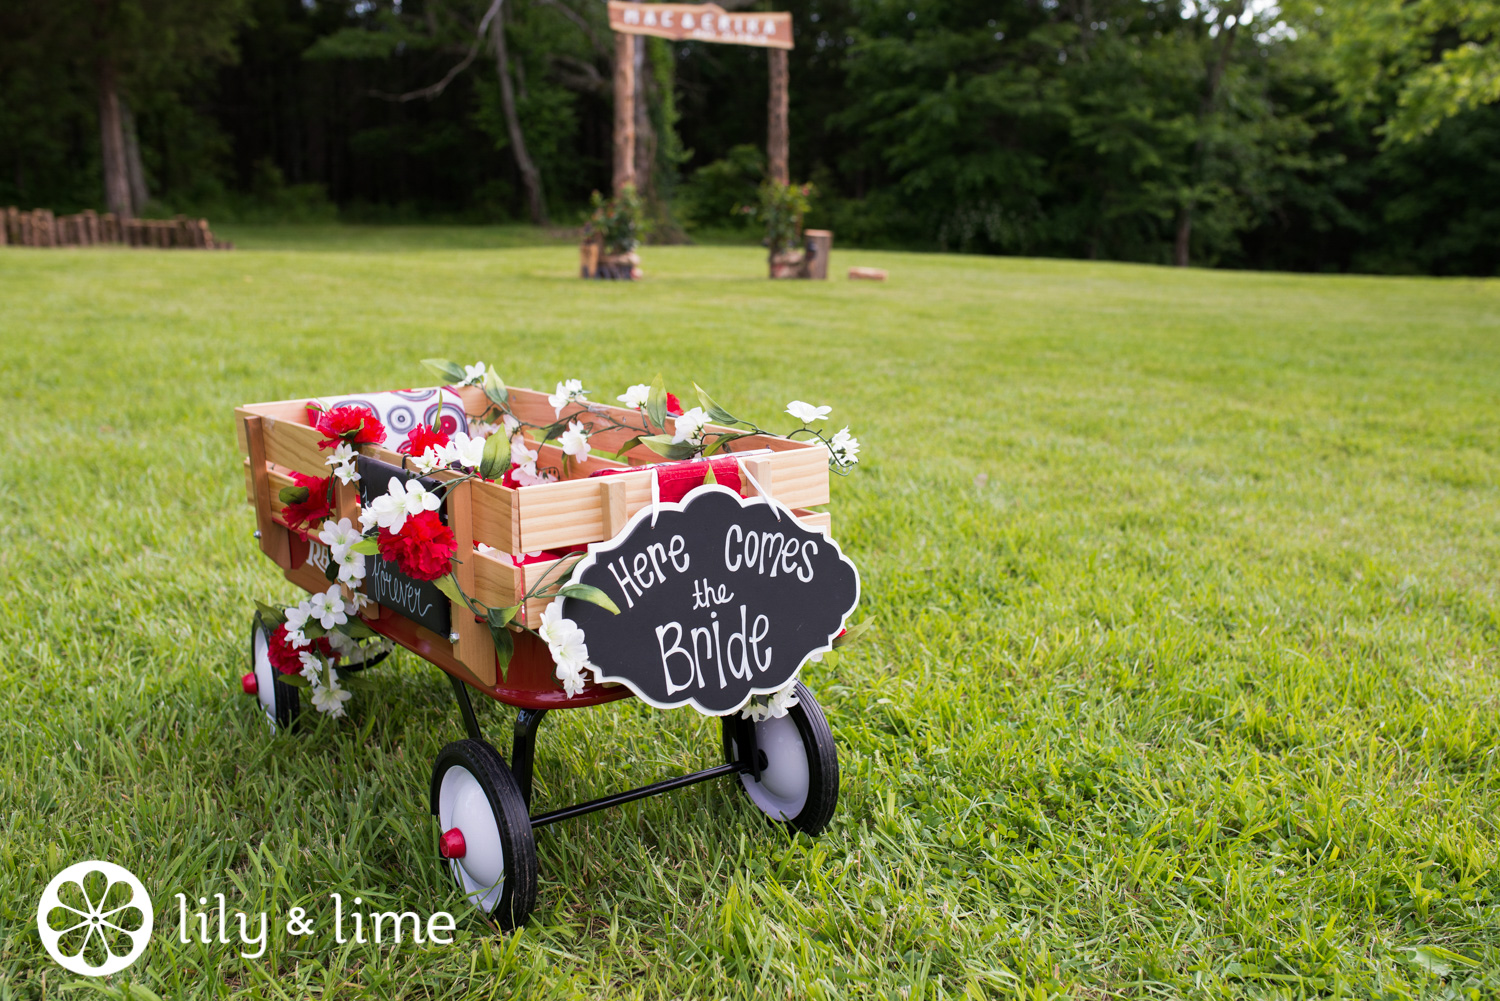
701, 22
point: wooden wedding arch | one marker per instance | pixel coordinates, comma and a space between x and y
702, 22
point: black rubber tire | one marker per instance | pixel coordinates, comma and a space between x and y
482, 761
822, 762
286, 707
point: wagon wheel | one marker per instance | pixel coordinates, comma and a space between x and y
277, 699
486, 831
799, 765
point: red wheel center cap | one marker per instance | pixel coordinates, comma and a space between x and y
249, 684
451, 844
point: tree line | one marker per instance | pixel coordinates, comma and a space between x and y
1357, 137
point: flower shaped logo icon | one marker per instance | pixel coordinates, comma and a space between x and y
95, 918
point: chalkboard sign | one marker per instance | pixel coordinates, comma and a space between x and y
721, 599
418, 600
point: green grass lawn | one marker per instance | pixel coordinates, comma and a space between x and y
1183, 681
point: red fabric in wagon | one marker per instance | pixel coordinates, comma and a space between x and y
675, 479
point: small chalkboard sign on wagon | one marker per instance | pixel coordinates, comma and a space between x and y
418, 600
720, 598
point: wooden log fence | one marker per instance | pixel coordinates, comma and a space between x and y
41, 228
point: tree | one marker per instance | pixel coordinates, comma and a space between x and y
1441, 57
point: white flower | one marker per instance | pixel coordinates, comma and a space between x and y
330, 699
844, 448
571, 676
512, 425
338, 536
296, 618
806, 412
482, 429
522, 456
343, 465
689, 427
431, 459
636, 396
328, 608
567, 392
473, 374
529, 477
565, 642
342, 645
775, 705
312, 667
553, 626
467, 452
401, 500
352, 570
368, 518
357, 600
575, 441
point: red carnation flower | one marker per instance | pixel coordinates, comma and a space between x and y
353, 426
317, 507
674, 405
420, 438
286, 658
282, 654
423, 548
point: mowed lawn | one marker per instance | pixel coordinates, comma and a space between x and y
1183, 680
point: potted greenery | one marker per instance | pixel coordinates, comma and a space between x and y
611, 233
782, 208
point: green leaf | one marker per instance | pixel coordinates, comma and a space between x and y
366, 547
494, 389
663, 445
554, 430
356, 629
591, 594
709, 476
505, 643
293, 495
448, 584
295, 680
331, 572
496, 458
313, 631
270, 617
1435, 959
716, 413
656, 402
723, 440
852, 633
445, 368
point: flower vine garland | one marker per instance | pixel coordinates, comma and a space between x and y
405, 527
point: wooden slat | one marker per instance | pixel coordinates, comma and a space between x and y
818, 521
569, 513
537, 578
496, 583
273, 537
474, 649
497, 519
612, 506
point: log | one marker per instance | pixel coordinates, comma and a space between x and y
868, 274
819, 246
624, 112
778, 139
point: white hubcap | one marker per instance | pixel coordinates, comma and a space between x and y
784, 782
265, 677
463, 804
